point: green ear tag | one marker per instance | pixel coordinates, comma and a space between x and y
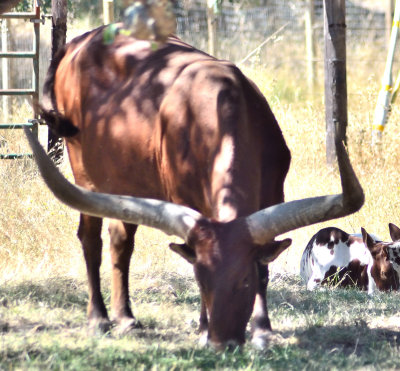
109, 33
154, 46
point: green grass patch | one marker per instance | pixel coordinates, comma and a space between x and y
43, 326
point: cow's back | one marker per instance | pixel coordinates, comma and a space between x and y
173, 124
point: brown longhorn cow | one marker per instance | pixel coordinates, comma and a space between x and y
196, 144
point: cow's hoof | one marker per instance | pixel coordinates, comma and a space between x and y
100, 326
126, 325
262, 339
230, 346
203, 339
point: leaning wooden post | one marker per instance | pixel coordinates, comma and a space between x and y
382, 108
389, 12
58, 40
310, 45
335, 74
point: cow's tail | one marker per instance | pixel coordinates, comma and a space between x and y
57, 122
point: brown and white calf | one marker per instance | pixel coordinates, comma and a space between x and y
361, 260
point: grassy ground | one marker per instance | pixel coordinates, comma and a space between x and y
43, 327
43, 284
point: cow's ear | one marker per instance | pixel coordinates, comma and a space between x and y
270, 251
367, 239
184, 250
394, 232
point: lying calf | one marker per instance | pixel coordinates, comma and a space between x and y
352, 259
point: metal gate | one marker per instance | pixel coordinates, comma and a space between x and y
35, 18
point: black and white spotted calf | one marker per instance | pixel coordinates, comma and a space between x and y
353, 259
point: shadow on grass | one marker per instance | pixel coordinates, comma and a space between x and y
64, 292
357, 339
71, 295
287, 293
333, 330
53, 292
94, 355
115, 358
166, 287
334, 326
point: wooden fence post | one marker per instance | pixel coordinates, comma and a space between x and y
212, 27
5, 23
335, 74
108, 11
58, 39
310, 46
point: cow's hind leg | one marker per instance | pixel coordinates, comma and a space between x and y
89, 233
260, 324
121, 247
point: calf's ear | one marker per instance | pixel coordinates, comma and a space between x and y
184, 250
367, 239
394, 232
270, 251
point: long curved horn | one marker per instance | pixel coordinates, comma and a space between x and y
170, 218
268, 223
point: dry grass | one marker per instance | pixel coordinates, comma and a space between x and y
35, 230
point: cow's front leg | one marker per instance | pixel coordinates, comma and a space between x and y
317, 276
260, 324
203, 326
121, 248
89, 233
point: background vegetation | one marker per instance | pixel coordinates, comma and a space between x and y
43, 291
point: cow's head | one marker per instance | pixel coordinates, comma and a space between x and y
224, 255
224, 258
383, 270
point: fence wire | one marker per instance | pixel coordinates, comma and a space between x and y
240, 30
235, 22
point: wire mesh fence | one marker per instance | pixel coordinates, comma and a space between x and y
240, 30
251, 25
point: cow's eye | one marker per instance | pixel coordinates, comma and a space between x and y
241, 285
245, 283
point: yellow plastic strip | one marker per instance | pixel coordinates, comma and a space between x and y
378, 127
396, 23
387, 88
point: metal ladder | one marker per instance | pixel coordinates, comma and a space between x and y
33, 123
